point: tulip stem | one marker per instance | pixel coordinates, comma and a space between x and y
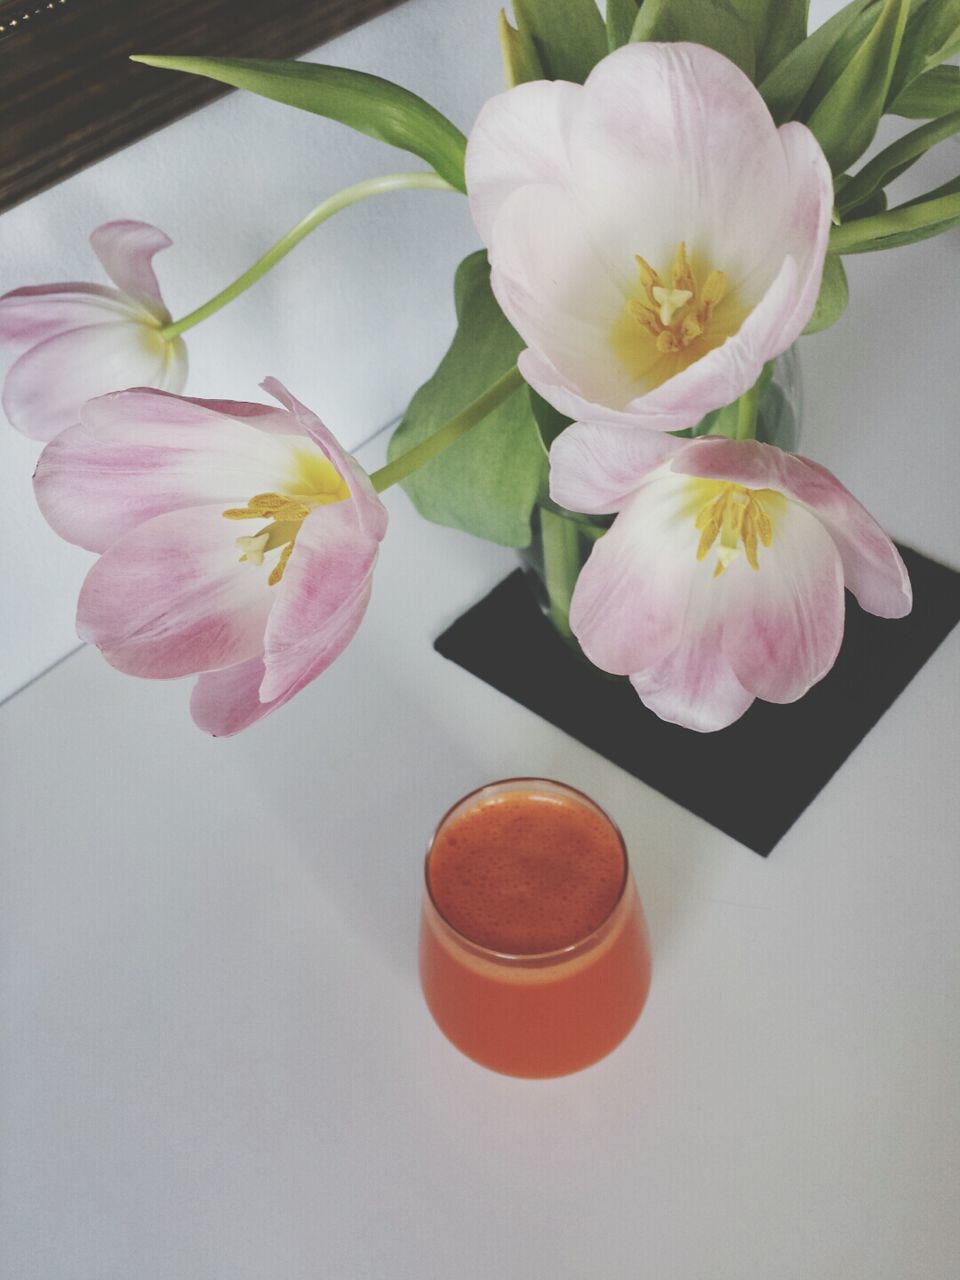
450, 432
326, 209
746, 428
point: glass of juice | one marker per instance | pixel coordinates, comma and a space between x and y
534, 954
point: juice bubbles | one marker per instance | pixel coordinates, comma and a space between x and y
534, 957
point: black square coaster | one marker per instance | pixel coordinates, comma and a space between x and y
792, 750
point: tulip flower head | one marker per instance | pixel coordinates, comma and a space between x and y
722, 578
652, 235
237, 542
83, 340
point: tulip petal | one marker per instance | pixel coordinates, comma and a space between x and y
126, 249
225, 702
170, 598
872, 566
630, 599
140, 453
29, 315
47, 385
519, 138
695, 686
783, 623
595, 467
321, 600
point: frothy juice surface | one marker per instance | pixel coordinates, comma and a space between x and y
524, 873
534, 957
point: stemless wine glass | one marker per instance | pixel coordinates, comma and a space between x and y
534, 953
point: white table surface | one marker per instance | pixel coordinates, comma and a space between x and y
215, 1062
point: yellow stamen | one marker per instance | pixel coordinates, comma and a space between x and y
734, 518
648, 277
683, 277
313, 482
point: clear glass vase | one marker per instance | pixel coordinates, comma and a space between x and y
562, 540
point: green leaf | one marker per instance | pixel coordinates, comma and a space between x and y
932, 35
568, 35
791, 80
833, 297
776, 27
373, 106
846, 118
894, 160
520, 61
550, 421
714, 23
621, 15
905, 224
486, 483
933, 94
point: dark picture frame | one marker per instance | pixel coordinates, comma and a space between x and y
71, 95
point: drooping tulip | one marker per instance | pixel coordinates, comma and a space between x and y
722, 578
237, 542
83, 340
653, 236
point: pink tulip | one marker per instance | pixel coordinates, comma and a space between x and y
652, 235
161, 486
83, 340
722, 577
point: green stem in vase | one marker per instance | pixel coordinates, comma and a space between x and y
326, 209
746, 428
560, 538
449, 433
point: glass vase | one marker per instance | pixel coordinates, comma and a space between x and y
562, 540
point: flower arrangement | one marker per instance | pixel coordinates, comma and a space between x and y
664, 197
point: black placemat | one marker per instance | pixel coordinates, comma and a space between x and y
753, 779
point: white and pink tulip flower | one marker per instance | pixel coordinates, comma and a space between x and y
237, 542
653, 236
83, 340
722, 578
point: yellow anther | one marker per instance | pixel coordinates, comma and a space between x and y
648, 277
281, 564
683, 277
714, 287
670, 300
690, 330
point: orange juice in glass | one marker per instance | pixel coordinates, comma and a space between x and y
534, 954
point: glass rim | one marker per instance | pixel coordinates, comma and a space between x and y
531, 958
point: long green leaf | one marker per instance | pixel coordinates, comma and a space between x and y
520, 60
714, 23
903, 225
833, 296
933, 94
621, 15
889, 163
932, 35
568, 35
846, 118
791, 80
367, 103
488, 482
776, 26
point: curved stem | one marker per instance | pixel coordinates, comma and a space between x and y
446, 435
342, 200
